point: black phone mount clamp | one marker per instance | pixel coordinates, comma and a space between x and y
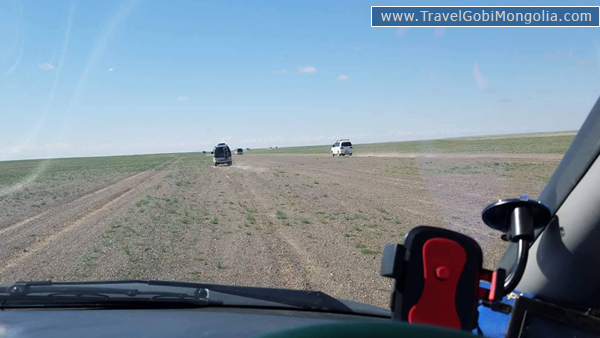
437, 272
518, 219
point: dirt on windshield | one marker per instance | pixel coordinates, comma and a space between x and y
290, 221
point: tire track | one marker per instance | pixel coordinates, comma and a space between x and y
66, 228
42, 242
78, 199
293, 268
320, 256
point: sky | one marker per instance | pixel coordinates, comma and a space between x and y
91, 78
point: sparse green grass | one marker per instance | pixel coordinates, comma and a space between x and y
368, 251
405, 170
220, 264
357, 215
171, 214
363, 248
462, 169
127, 251
305, 220
381, 209
182, 183
251, 218
93, 169
129, 228
509, 144
280, 214
141, 202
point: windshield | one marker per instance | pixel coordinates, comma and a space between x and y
220, 152
108, 109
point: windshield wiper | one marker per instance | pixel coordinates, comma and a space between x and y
156, 292
51, 294
301, 299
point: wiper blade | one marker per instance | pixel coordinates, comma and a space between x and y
48, 292
308, 300
156, 291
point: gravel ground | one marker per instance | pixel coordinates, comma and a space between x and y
294, 221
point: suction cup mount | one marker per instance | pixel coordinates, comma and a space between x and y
517, 218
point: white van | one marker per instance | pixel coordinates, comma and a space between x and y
342, 147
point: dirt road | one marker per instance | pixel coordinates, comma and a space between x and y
294, 221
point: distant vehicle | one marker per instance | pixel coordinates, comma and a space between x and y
239, 151
222, 154
203, 152
342, 147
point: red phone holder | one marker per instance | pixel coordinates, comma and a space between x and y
437, 274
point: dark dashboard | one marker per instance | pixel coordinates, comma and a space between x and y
204, 322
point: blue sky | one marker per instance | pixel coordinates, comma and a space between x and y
108, 77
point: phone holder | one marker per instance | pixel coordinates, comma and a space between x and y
518, 219
437, 272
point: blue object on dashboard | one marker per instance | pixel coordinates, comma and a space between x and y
494, 324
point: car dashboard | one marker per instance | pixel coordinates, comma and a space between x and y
204, 322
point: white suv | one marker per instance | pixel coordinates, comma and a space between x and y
341, 148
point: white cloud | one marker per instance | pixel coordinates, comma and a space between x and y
47, 66
481, 81
343, 77
263, 140
438, 32
182, 97
583, 62
307, 70
313, 139
283, 71
226, 139
402, 31
561, 54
